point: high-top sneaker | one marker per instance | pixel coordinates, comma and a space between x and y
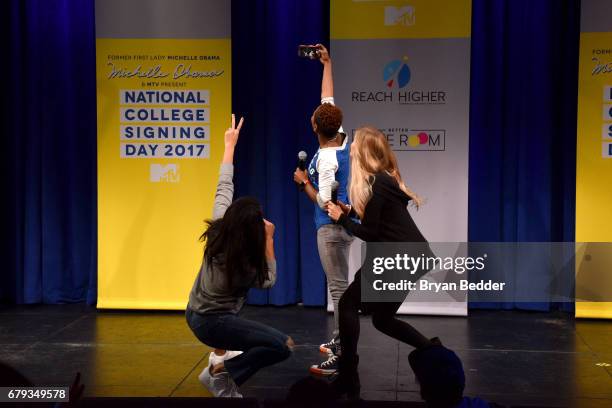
328, 367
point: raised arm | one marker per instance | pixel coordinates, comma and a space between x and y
327, 83
225, 186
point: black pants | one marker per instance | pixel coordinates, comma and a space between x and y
383, 318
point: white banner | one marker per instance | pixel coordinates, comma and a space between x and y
406, 70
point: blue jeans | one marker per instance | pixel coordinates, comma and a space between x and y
261, 345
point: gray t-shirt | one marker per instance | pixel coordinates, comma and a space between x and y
210, 293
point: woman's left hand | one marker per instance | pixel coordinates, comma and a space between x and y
323, 54
334, 211
269, 229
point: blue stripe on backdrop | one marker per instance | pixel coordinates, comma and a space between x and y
50, 157
522, 149
523, 125
277, 92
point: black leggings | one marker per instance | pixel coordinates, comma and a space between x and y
383, 318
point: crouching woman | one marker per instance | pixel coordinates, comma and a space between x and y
238, 255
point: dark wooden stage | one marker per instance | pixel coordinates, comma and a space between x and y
510, 357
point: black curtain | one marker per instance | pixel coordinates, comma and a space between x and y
522, 136
49, 133
523, 115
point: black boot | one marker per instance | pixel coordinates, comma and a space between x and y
346, 381
435, 341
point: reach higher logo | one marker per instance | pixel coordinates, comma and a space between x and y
397, 75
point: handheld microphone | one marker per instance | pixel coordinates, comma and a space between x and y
334, 192
302, 156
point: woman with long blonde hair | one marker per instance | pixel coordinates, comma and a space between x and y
380, 199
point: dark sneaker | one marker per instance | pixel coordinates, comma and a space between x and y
328, 367
330, 347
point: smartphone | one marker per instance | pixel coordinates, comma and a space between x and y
308, 51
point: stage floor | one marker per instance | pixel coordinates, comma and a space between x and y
509, 357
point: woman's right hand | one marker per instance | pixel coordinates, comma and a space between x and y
334, 211
231, 139
232, 133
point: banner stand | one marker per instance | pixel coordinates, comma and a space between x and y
391, 68
163, 100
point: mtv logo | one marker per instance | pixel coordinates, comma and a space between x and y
399, 16
164, 174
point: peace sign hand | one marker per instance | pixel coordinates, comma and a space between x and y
232, 133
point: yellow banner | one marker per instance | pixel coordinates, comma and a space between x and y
594, 153
163, 105
384, 19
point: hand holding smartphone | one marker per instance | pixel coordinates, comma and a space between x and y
309, 51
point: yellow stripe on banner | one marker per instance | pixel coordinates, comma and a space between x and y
144, 304
594, 156
382, 19
591, 310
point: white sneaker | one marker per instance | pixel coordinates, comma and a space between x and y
216, 359
212, 383
221, 384
229, 354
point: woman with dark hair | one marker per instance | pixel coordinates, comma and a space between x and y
239, 255
380, 199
